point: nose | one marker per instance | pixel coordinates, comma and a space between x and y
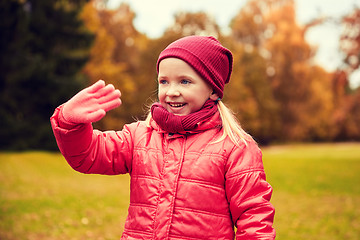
173, 91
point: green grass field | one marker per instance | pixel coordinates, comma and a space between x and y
316, 195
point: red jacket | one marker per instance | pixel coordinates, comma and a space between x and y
183, 186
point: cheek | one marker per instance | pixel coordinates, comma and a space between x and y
202, 94
159, 91
161, 94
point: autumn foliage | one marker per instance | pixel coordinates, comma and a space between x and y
277, 91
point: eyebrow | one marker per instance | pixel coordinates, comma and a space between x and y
179, 76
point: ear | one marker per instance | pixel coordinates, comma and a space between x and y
214, 96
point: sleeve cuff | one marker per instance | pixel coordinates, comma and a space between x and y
63, 123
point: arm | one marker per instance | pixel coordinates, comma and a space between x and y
85, 149
249, 195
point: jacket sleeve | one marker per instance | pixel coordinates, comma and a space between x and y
249, 194
92, 151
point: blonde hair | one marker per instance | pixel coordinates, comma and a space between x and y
230, 126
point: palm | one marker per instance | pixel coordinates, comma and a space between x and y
92, 103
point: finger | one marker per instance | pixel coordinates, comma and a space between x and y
95, 116
109, 97
96, 86
104, 91
111, 104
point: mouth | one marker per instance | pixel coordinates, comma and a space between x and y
176, 105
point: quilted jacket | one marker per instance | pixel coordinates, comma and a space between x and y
183, 186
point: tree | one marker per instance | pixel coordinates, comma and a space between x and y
43, 47
197, 23
350, 39
251, 93
347, 112
289, 56
268, 29
116, 58
250, 96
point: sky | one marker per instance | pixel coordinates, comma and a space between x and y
154, 16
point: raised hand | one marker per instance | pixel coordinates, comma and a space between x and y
92, 103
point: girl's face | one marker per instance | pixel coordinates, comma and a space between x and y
181, 89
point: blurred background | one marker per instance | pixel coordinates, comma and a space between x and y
295, 88
293, 80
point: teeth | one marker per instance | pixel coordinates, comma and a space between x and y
176, 104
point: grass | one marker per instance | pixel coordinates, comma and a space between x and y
316, 195
316, 190
41, 197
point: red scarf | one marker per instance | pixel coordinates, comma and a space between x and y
175, 124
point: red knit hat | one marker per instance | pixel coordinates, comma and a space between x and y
206, 56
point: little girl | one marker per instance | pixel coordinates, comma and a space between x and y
195, 174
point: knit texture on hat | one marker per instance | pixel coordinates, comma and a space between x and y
206, 56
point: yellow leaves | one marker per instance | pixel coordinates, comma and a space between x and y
85, 221
90, 17
102, 64
194, 24
302, 96
115, 58
274, 88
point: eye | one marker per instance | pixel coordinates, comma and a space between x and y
162, 81
185, 81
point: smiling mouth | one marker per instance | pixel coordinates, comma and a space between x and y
177, 105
